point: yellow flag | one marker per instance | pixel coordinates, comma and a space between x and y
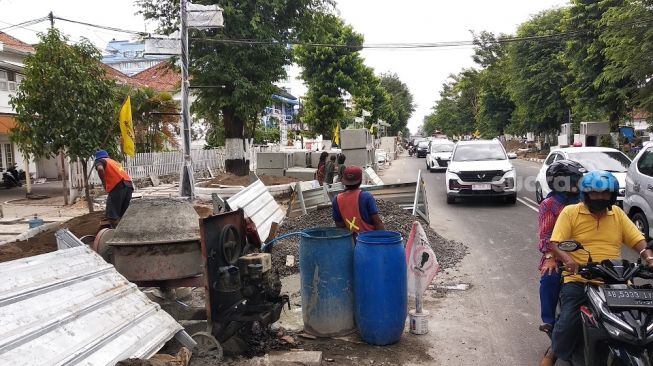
336, 134
127, 129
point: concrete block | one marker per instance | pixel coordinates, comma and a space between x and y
355, 139
272, 160
294, 358
360, 157
301, 158
304, 174
273, 172
315, 157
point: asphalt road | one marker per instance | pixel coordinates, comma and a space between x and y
495, 321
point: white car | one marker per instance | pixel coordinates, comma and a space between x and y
439, 154
480, 168
591, 158
638, 202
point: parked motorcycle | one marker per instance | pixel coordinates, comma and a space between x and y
9, 180
618, 316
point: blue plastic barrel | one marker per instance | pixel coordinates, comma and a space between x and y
326, 258
380, 285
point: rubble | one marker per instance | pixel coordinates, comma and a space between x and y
448, 252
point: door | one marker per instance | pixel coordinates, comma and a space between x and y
642, 184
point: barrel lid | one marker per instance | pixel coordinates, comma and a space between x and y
157, 221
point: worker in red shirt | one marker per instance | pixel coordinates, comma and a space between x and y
354, 209
117, 183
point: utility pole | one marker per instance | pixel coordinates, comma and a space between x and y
187, 184
51, 17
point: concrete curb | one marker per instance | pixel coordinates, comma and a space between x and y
536, 160
31, 232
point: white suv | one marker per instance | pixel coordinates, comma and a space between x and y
638, 203
480, 168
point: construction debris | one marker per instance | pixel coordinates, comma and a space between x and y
448, 252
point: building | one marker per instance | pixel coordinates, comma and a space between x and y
129, 57
12, 56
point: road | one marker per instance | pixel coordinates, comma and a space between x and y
495, 321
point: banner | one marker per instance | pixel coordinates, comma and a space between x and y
422, 264
127, 129
336, 135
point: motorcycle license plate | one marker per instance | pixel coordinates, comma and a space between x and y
629, 298
481, 187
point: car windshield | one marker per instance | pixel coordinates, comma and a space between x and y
423, 144
611, 161
476, 152
442, 148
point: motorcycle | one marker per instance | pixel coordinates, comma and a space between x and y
411, 150
618, 316
9, 180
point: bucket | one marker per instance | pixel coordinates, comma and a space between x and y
380, 285
419, 322
326, 257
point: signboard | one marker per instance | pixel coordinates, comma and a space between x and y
204, 16
421, 262
162, 46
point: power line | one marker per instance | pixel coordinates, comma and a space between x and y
114, 29
24, 24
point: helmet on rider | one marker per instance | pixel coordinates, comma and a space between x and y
563, 176
599, 181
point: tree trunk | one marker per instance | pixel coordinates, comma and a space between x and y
87, 192
235, 160
66, 193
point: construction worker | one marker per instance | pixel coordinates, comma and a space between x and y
118, 185
354, 209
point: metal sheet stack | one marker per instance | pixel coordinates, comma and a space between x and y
358, 147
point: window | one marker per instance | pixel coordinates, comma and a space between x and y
550, 159
611, 161
479, 152
645, 163
9, 155
4, 85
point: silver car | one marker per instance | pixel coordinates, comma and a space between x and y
638, 203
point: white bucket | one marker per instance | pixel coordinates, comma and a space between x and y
419, 322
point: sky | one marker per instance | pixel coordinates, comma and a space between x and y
380, 21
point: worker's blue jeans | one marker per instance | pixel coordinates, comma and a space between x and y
568, 329
549, 293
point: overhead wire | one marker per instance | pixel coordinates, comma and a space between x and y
24, 24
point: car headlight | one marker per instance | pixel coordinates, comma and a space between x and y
622, 192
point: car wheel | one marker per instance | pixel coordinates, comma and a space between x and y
511, 199
639, 219
538, 193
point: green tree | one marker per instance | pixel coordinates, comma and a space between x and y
627, 37
590, 95
495, 106
65, 103
329, 72
401, 101
240, 76
455, 112
369, 95
537, 75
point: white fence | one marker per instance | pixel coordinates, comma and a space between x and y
158, 164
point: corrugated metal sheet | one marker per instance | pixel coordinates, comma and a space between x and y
66, 239
71, 307
305, 200
259, 206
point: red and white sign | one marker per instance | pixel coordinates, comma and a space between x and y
421, 261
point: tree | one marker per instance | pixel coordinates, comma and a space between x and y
401, 101
495, 107
240, 75
329, 72
455, 112
369, 95
155, 117
537, 75
65, 103
591, 96
628, 49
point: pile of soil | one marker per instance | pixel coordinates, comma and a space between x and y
46, 242
448, 252
229, 179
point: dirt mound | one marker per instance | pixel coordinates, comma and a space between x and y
45, 242
228, 179
448, 252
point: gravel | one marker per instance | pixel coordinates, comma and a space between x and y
448, 252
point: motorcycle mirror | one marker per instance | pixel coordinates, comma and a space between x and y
569, 246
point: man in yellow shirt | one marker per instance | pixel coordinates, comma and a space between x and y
601, 228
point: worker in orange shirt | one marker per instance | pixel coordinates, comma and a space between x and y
354, 209
118, 185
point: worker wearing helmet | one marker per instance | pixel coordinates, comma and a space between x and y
117, 183
354, 209
562, 178
601, 227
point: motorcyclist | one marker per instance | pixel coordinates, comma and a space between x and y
562, 178
601, 227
